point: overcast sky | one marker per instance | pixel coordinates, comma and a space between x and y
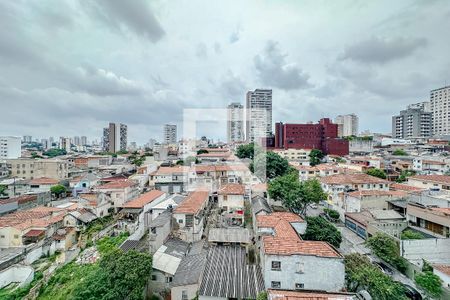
70, 67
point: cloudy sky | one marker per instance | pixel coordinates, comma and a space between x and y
70, 67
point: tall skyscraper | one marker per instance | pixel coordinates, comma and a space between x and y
413, 122
347, 125
76, 141
45, 144
258, 115
235, 123
115, 137
440, 109
27, 138
64, 143
84, 141
170, 134
10, 147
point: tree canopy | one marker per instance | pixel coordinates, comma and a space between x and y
246, 151
399, 152
269, 165
361, 274
58, 189
54, 152
376, 173
408, 234
296, 195
202, 151
315, 157
386, 248
319, 229
430, 282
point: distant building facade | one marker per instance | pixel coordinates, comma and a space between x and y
170, 134
413, 123
322, 136
30, 168
10, 147
347, 125
235, 123
115, 137
258, 115
64, 143
440, 108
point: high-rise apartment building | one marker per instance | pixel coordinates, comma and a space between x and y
115, 137
347, 125
76, 141
27, 138
84, 141
10, 147
235, 123
170, 134
258, 115
45, 144
440, 109
64, 143
415, 122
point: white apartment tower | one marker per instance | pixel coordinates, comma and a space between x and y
235, 123
347, 125
170, 134
258, 115
10, 147
115, 137
64, 143
440, 109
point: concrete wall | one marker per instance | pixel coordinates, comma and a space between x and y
432, 250
319, 273
33, 255
445, 278
17, 273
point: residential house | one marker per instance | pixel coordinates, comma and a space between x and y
98, 203
429, 219
159, 230
427, 166
308, 295
170, 179
368, 222
83, 183
15, 186
231, 201
43, 184
190, 216
434, 182
360, 200
290, 263
120, 192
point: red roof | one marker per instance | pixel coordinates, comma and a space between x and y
232, 189
193, 203
308, 295
442, 179
442, 268
359, 194
143, 199
44, 181
404, 187
360, 178
34, 233
119, 184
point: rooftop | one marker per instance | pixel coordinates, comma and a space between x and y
143, 199
359, 178
442, 179
229, 235
307, 295
193, 203
232, 189
117, 184
43, 181
376, 193
442, 268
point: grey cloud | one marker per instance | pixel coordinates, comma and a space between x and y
382, 50
274, 71
232, 87
136, 16
201, 51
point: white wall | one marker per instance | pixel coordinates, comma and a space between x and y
432, 250
16, 273
191, 291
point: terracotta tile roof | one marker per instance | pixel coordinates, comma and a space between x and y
119, 184
234, 167
363, 193
444, 210
215, 154
232, 189
307, 295
143, 199
34, 233
433, 162
44, 181
360, 178
404, 187
259, 187
442, 268
40, 217
286, 241
442, 179
193, 203
171, 170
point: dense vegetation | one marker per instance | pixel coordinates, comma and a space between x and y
386, 248
405, 174
332, 214
296, 195
315, 157
269, 165
376, 173
246, 151
430, 282
399, 152
58, 190
361, 274
409, 234
19, 293
54, 152
319, 229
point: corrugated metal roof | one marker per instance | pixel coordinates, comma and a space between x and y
229, 235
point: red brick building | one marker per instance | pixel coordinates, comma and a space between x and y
322, 136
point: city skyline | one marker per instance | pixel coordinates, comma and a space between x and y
315, 64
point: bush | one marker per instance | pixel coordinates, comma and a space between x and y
319, 229
430, 282
408, 234
385, 247
333, 214
376, 173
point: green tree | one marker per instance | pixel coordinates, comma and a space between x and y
58, 190
269, 165
296, 195
262, 296
386, 247
376, 173
332, 214
201, 151
54, 152
315, 157
246, 151
121, 275
405, 174
3, 189
399, 152
408, 234
319, 229
430, 282
360, 274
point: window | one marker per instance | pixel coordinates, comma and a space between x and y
299, 286
2, 236
16, 236
169, 279
276, 265
184, 295
154, 277
276, 284
180, 221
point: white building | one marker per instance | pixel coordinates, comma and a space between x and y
347, 125
259, 115
10, 147
64, 143
440, 109
170, 134
235, 123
